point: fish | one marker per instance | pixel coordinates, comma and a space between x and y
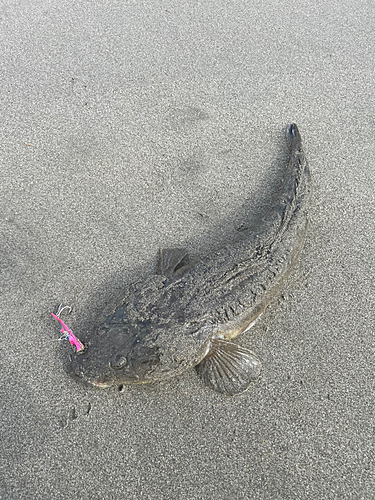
186, 316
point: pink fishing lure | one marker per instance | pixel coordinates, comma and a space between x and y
69, 334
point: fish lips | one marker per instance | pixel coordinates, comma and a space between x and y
77, 371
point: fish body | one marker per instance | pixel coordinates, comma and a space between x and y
184, 317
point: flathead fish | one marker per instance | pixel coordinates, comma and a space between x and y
188, 316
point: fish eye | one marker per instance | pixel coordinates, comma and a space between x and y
118, 362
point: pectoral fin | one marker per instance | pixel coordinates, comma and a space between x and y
172, 260
228, 368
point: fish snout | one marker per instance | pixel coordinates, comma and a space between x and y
78, 371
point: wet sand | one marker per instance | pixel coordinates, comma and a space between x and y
127, 128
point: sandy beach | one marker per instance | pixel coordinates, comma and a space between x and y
127, 127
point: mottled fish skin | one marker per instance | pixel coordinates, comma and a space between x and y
170, 323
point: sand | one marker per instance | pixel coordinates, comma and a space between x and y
130, 126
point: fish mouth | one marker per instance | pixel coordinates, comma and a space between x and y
100, 384
79, 373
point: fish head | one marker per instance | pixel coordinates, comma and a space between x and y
138, 354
